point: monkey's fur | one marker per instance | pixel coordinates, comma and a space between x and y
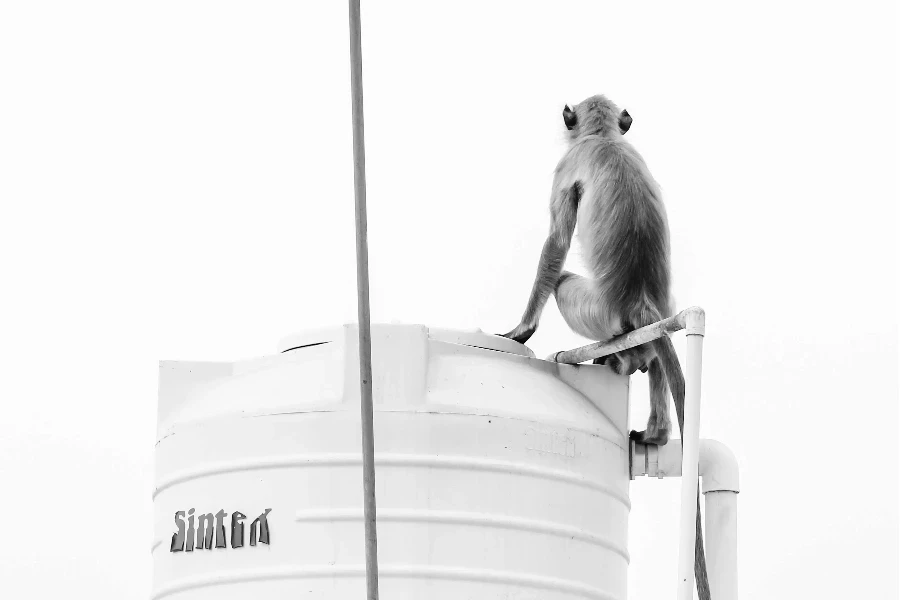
603, 185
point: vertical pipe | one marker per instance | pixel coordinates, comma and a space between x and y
694, 328
362, 284
721, 544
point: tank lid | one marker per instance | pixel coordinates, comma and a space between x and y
470, 337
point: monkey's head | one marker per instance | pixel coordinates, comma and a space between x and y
596, 116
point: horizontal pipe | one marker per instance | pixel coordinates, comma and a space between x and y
690, 318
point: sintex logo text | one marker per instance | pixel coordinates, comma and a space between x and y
184, 540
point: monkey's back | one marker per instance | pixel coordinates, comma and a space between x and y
622, 225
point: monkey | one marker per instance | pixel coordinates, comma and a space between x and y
603, 187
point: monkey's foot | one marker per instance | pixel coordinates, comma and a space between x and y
520, 334
661, 437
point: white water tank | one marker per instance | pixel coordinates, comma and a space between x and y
498, 475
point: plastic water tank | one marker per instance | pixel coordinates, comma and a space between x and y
498, 475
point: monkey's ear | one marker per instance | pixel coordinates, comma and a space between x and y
569, 117
624, 122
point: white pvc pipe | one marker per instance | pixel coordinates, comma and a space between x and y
720, 476
695, 329
721, 544
719, 470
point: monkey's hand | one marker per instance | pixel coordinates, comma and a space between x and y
522, 333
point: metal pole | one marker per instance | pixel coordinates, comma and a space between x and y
362, 285
695, 329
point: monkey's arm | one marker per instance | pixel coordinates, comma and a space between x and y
563, 213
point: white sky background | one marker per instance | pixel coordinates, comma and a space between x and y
176, 180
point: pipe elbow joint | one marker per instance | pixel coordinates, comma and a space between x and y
718, 467
693, 320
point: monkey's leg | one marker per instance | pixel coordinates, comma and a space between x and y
658, 423
583, 308
620, 362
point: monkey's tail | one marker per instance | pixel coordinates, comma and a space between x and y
645, 315
665, 350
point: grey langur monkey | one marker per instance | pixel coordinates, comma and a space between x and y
602, 186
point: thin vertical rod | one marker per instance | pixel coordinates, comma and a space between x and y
362, 285
690, 465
